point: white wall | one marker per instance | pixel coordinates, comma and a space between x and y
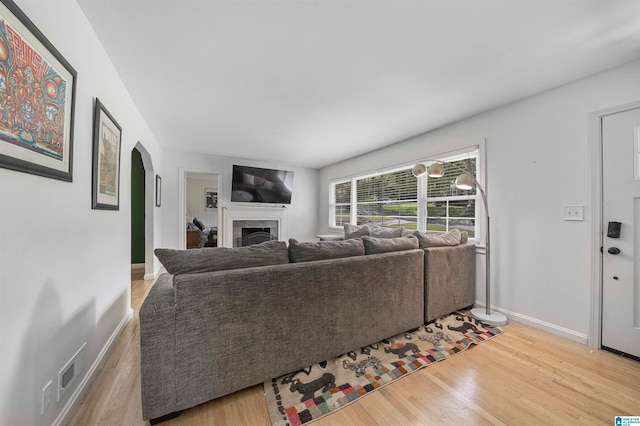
537, 162
65, 268
302, 213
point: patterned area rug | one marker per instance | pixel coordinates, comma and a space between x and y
306, 395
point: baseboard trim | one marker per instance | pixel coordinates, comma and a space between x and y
135, 266
150, 276
155, 275
77, 396
542, 325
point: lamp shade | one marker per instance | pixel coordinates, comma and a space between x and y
436, 170
419, 170
465, 182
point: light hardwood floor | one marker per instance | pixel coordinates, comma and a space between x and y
523, 377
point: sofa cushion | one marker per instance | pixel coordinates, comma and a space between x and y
353, 231
451, 238
406, 232
222, 258
374, 245
380, 232
305, 251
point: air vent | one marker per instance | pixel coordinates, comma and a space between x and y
68, 374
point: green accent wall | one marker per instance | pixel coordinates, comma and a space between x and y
137, 208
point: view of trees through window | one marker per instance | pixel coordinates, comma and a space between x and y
449, 207
391, 199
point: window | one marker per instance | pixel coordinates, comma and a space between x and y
388, 199
448, 207
341, 203
394, 198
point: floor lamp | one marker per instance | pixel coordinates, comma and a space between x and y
466, 181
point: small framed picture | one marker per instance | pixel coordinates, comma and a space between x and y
211, 198
107, 137
158, 191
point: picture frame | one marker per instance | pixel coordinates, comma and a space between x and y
37, 94
158, 191
211, 198
107, 143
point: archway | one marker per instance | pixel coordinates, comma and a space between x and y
149, 207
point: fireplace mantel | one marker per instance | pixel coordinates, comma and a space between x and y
257, 214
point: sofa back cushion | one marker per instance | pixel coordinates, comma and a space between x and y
305, 252
380, 232
374, 245
353, 231
223, 258
451, 238
367, 230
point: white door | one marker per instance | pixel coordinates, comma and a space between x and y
621, 256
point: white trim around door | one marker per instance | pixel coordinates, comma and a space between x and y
595, 146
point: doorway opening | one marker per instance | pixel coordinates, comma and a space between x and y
200, 212
137, 210
142, 178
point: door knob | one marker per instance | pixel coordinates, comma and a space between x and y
613, 250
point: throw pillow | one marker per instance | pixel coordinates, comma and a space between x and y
222, 258
305, 252
464, 237
204, 234
380, 232
374, 245
353, 231
451, 238
198, 223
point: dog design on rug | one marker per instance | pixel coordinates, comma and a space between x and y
308, 390
436, 338
464, 328
401, 349
361, 367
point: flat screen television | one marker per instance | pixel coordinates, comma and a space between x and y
258, 185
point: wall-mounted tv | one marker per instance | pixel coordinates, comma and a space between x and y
258, 185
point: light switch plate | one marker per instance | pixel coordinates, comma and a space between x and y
573, 213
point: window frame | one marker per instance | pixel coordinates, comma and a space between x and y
423, 184
457, 153
333, 204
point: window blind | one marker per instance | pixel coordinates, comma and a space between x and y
445, 186
388, 199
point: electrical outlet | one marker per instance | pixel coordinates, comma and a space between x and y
573, 213
46, 396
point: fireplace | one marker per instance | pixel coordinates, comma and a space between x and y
252, 236
250, 225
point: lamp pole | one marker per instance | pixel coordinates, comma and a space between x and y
493, 318
486, 315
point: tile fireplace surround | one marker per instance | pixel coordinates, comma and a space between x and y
234, 219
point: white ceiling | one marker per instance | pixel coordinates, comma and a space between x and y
313, 82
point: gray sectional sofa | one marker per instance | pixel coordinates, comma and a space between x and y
225, 319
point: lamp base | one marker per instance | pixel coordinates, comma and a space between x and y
493, 318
